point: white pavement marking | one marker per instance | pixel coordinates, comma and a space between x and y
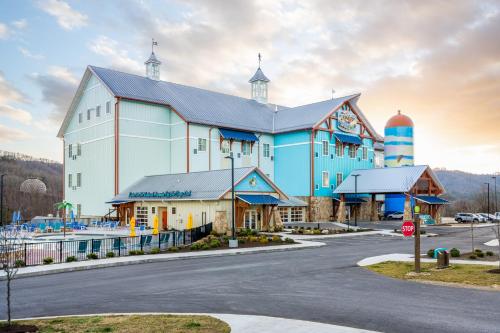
493, 242
148, 258
244, 323
409, 258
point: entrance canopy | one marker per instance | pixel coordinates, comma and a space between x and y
350, 139
430, 200
230, 134
258, 199
419, 180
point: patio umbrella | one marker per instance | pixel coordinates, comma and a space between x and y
155, 225
132, 227
190, 221
14, 216
72, 216
18, 215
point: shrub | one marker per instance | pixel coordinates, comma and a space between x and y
489, 253
71, 259
253, 232
317, 232
430, 253
92, 256
253, 239
19, 263
308, 228
480, 254
242, 240
454, 252
214, 233
472, 256
173, 249
350, 230
301, 231
205, 247
289, 240
135, 252
214, 243
263, 240
478, 251
225, 239
110, 254
48, 260
155, 250
276, 238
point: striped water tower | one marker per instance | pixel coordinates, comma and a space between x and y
398, 142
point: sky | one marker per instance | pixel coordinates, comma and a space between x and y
438, 62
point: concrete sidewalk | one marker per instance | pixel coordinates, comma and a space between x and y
148, 258
251, 324
410, 258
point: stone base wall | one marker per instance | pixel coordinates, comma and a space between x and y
321, 209
220, 223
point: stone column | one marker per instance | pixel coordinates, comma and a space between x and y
220, 223
438, 215
407, 210
341, 210
373, 209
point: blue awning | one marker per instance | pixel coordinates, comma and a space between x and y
352, 200
431, 200
258, 199
344, 138
237, 135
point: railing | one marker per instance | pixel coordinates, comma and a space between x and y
34, 254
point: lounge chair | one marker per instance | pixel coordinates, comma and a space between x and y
42, 227
164, 238
96, 245
180, 238
118, 244
57, 227
82, 246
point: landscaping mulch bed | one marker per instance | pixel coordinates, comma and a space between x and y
18, 328
466, 256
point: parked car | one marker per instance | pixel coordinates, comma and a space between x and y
395, 216
467, 217
488, 217
481, 218
497, 216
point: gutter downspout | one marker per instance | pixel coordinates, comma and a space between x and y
117, 145
64, 171
258, 151
210, 148
187, 147
311, 190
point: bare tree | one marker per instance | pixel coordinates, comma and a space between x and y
11, 258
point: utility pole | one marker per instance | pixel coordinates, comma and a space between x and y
1, 199
488, 187
417, 239
496, 202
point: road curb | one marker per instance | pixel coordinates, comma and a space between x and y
150, 258
404, 257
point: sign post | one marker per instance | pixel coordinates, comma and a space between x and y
417, 239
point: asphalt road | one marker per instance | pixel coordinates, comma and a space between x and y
322, 285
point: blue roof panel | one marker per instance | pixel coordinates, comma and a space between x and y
237, 135
431, 200
259, 199
345, 138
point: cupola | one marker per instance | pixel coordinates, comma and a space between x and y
153, 64
258, 84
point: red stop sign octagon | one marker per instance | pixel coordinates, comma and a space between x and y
408, 229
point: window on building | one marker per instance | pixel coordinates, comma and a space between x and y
284, 214
265, 147
339, 149
296, 214
325, 148
78, 210
98, 111
141, 216
78, 150
80, 118
365, 153
108, 107
79, 180
153, 210
70, 180
325, 179
352, 151
225, 147
174, 210
202, 144
339, 178
70, 150
89, 111
245, 148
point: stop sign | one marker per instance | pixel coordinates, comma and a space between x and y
408, 229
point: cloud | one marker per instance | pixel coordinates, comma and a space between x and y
20, 24
117, 56
8, 95
67, 17
27, 54
15, 114
4, 31
8, 134
58, 87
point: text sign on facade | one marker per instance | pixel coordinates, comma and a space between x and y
346, 120
166, 194
408, 228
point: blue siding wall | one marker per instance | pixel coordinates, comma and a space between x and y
292, 162
261, 185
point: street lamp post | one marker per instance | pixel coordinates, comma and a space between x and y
233, 242
488, 187
1, 199
356, 196
496, 202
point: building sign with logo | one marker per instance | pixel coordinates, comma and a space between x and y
346, 120
161, 195
253, 181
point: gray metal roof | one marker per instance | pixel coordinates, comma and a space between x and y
385, 180
292, 202
207, 107
259, 76
204, 185
153, 59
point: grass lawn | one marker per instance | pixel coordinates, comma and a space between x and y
131, 324
476, 275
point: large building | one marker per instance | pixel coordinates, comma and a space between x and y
121, 127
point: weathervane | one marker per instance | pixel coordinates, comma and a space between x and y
153, 44
260, 59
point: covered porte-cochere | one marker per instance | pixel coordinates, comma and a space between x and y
402, 187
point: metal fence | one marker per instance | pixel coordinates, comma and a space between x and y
35, 253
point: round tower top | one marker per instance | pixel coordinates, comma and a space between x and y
399, 120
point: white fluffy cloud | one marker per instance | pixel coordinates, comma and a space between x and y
8, 96
27, 54
115, 55
67, 17
8, 134
20, 24
4, 31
